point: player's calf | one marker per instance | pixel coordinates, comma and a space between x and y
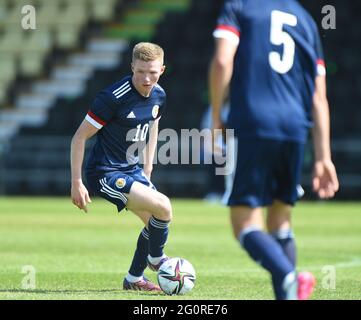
158, 235
158, 226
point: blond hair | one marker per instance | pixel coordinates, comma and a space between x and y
147, 51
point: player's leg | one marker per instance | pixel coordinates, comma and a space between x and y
250, 190
115, 187
279, 226
263, 249
245, 218
139, 262
144, 199
132, 189
287, 174
135, 279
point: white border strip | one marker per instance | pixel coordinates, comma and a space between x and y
116, 91
93, 122
123, 92
111, 192
226, 34
321, 70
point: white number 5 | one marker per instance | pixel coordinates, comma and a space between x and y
284, 63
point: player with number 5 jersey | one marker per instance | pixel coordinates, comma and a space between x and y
278, 56
268, 54
125, 119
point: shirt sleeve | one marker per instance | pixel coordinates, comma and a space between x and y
101, 111
320, 61
161, 107
228, 23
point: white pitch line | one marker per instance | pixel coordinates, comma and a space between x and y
340, 265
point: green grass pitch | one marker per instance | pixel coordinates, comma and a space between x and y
85, 256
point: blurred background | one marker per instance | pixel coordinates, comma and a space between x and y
49, 77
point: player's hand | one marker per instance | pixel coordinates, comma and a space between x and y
79, 195
325, 181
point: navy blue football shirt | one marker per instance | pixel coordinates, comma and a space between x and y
124, 118
278, 58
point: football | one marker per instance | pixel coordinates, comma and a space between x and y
176, 276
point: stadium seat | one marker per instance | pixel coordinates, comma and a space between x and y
14, 14
7, 74
37, 44
67, 36
7, 67
11, 42
3, 12
76, 13
102, 10
3, 92
48, 14
68, 25
31, 64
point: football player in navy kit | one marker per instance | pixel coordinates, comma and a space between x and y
269, 53
125, 114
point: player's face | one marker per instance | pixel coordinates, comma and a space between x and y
146, 74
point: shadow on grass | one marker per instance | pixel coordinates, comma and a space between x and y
84, 291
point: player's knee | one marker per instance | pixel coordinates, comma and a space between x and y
164, 209
238, 231
276, 222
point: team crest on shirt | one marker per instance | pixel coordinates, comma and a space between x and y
155, 111
120, 183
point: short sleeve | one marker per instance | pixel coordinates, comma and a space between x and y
101, 111
320, 61
161, 107
228, 23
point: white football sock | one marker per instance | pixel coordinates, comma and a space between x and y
290, 285
133, 279
155, 260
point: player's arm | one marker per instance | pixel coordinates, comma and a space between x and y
325, 182
79, 193
149, 150
220, 75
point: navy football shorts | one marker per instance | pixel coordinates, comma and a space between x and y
265, 170
114, 185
